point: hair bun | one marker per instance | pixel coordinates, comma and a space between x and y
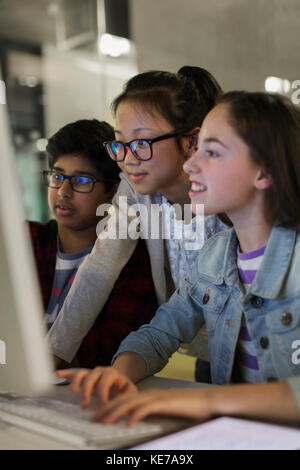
203, 80
191, 72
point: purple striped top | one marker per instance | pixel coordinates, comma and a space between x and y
248, 265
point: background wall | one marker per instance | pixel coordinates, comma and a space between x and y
80, 85
240, 41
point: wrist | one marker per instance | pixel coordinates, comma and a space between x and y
222, 400
132, 365
214, 403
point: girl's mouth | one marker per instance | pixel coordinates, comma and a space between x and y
197, 188
137, 177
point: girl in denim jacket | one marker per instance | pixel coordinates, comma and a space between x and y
245, 284
158, 116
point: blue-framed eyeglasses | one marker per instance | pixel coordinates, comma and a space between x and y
80, 184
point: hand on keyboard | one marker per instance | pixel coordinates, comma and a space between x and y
104, 382
192, 404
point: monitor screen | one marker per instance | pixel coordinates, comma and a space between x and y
25, 363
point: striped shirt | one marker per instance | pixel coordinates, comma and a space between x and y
65, 270
248, 265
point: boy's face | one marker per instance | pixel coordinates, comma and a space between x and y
73, 210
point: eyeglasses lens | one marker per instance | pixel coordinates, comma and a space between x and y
141, 149
116, 150
82, 184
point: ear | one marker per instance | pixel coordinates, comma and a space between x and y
191, 141
193, 138
263, 180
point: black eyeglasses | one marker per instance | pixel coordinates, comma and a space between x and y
140, 148
80, 184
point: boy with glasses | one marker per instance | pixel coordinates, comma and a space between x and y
81, 177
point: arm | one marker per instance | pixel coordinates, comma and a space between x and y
90, 290
132, 365
143, 352
271, 402
175, 322
131, 304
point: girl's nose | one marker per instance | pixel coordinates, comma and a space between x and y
191, 166
130, 159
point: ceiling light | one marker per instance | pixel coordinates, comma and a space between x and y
114, 46
41, 144
277, 85
273, 84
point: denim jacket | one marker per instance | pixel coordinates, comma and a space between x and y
214, 295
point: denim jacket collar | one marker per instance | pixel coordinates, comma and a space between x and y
276, 260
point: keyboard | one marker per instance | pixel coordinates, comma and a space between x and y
70, 424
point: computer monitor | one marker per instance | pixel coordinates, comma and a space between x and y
25, 363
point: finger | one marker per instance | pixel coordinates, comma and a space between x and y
127, 387
119, 407
107, 408
112, 411
113, 416
147, 409
111, 381
89, 385
77, 380
65, 373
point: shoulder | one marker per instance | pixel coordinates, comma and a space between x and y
34, 228
210, 261
219, 239
213, 225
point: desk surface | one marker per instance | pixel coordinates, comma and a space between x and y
13, 438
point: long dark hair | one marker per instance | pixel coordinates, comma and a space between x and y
270, 125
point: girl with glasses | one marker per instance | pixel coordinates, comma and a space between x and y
247, 166
158, 117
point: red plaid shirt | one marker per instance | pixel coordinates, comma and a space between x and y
132, 301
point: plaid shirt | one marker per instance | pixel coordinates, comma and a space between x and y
132, 301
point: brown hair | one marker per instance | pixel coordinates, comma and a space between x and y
270, 125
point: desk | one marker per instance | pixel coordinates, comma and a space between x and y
13, 438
